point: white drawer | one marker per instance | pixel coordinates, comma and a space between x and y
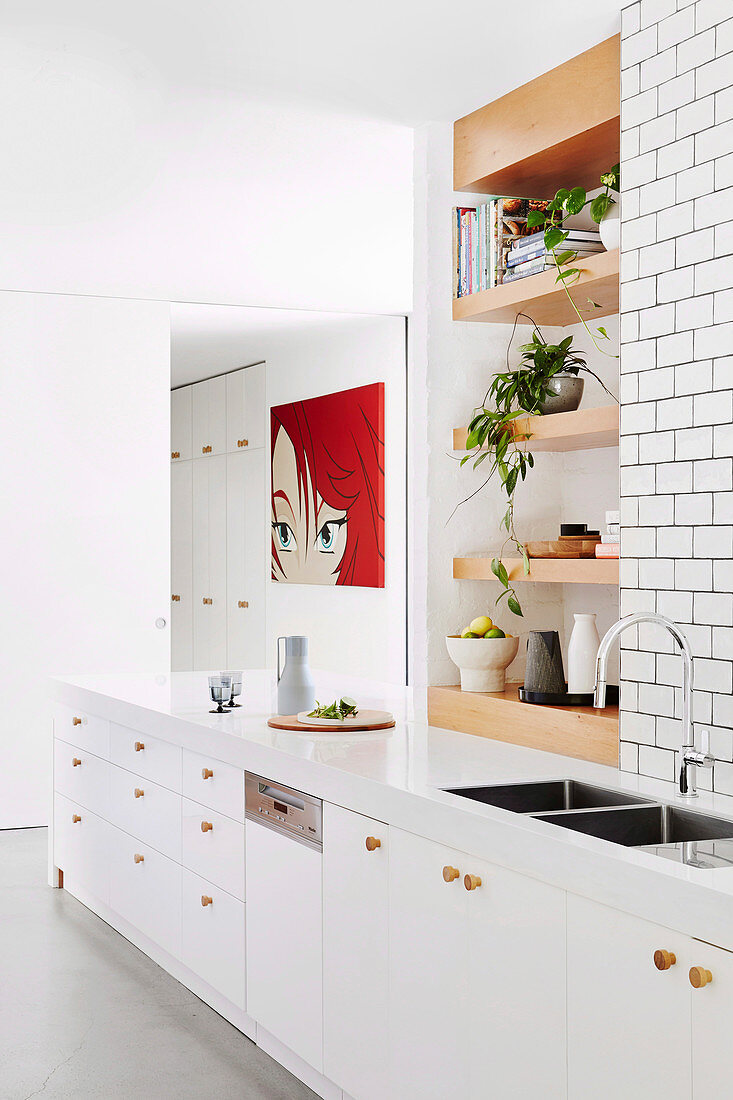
214, 784
212, 939
146, 756
146, 892
213, 846
81, 776
81, 847
81, 728
146, 810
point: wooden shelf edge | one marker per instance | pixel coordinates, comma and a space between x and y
544, 299
542, 570
583, 733
571, 431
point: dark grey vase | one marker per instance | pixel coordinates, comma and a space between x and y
544, 671
566, 393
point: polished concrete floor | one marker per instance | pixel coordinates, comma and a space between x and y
83, 1013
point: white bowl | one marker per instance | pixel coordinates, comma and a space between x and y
482, 662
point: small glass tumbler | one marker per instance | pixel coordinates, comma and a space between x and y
219, 692
236, 678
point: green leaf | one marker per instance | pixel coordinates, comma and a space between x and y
560, 198
499, 571
599, 206
553, 237
570, 274
575, 201
525, 558
535, 218
514, 606
603, 332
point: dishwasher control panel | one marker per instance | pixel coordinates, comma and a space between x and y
284, 810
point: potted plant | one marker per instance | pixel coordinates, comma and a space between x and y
547, 373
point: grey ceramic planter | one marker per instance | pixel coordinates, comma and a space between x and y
566, 394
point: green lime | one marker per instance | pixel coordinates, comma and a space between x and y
495, 632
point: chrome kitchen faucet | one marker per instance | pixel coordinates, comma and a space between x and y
690, 756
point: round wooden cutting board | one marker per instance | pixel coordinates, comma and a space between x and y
366, 721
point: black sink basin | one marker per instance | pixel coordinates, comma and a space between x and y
644, 825
557, 794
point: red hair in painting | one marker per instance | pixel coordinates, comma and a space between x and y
339, 453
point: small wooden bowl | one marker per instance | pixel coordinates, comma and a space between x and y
561, 548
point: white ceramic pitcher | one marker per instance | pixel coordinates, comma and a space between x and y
295, 688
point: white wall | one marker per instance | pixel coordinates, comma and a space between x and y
85, 499
117, 183
453, 365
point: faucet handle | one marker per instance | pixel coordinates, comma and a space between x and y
703, 757
705, 742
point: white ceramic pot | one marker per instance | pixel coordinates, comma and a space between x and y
582, 653
482, 661
610, 228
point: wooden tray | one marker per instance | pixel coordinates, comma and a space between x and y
560, 548
367, 720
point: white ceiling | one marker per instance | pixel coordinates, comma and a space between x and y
410, 61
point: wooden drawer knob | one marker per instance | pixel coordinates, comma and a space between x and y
75, 761
243, 603
139, 792
207, 600
176, 599
206, 450
372, 843
206, 826
206, 773
75, 818
138, 858
175, 454
699, 977
450, 874
206, 900
139, 746
471, 882
76, 721
242, 442
664, 959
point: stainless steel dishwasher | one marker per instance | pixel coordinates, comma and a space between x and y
284, 836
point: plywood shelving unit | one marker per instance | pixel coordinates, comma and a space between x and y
581, 430
542, 570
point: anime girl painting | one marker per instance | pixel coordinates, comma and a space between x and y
327, 496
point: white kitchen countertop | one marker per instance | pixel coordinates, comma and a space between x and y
395, 776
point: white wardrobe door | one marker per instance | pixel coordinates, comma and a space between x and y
255, 405
209, 410
236, 428
246, 559
209, 562
181, 424
181, 566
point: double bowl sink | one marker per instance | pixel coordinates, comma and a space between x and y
676, 833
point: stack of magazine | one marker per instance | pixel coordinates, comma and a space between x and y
492, 245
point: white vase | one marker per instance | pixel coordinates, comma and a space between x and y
582, 653
610, 228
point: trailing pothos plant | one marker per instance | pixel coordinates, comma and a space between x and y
567, 203
493, 435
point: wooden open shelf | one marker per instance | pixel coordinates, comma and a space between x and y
544, 299
560, 130
583, 732
581, 430
542, 570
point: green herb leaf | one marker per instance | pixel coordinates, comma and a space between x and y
514, 605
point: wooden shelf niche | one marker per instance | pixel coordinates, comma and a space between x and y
581, 430
542, 570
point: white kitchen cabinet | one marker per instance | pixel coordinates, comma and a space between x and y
355, 952
145, 889
284, 940
182, 566
209, 417
213, 783
213, 846
628, 1022
82, 777
146, 810
246, 408
247, 547
181, 424
77, 726
81, 847
212, 936
148, 757
209, 563
711, 1009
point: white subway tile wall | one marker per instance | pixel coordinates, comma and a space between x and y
677, 375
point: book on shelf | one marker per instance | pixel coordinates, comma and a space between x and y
607, 550
532, 266
482, 237
518, 254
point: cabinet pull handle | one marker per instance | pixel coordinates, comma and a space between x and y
243, 603
175, 454
206, 826
206, 900
75, 818
699, 977
372, 843
176, 599
206, 773
664, 959
206, 450
242, 442
75, 761
139, 746
207, 600
450, 874
76, 721
138, 792
138, 858
472, 882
